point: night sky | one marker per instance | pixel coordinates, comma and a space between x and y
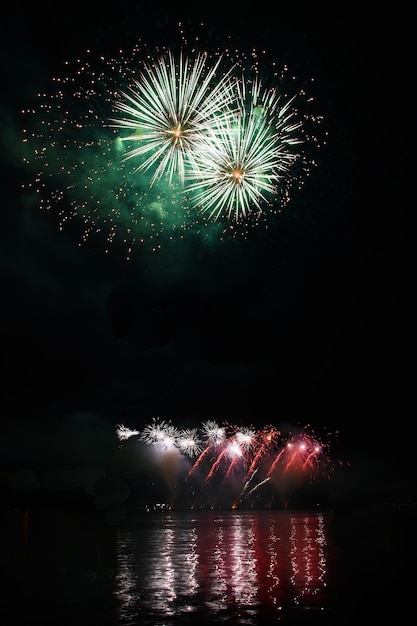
308, 323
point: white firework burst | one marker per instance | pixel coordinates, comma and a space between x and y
189, 443
214, 433
170, 109
246, 160
124, 433
246, 437
161, 434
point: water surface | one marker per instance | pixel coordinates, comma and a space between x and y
262, 567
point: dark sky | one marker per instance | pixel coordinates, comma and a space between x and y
309, 324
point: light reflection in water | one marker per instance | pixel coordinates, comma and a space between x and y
241, 565
307, 556
156, 568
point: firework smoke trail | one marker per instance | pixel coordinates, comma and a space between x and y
171, 108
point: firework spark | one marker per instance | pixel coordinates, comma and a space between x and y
189, 442
246, 161
238, 466
171, 108
140, 154
125, 433
214, 433
161, 434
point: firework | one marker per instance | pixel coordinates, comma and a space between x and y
79, 173
172, 108
214, 433
237, 466
189, 442
161, 434
143, 149
125, 433
246, 161
245, 437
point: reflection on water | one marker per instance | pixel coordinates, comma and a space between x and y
238, 567
162, 569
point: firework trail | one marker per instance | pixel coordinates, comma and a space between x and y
236, 462
295, 453
255, 488
237, 456
310, 457
276, 461
216, 464
214, 436
233, 446
246, 486
264, 443
200, 459
266, 440
300, 453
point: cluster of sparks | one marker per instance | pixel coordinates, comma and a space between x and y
143, 147
244, 160
171, 110
235, 466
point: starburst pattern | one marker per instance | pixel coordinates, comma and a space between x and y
147, 148
171, 107
189, 442
161, 434
244, 163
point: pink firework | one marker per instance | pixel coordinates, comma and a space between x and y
218, 462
